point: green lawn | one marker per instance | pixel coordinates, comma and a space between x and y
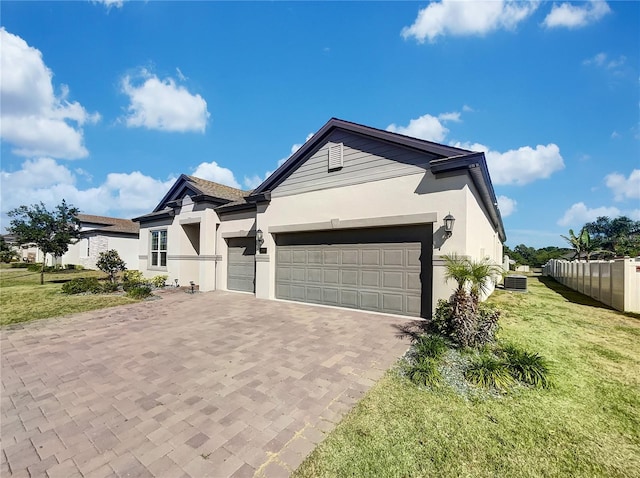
22, 298
588, 425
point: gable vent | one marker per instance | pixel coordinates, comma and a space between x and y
335, 156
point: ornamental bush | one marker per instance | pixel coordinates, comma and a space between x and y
110, 263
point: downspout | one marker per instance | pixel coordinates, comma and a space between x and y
215, 260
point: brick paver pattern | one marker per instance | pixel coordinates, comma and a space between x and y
211, 384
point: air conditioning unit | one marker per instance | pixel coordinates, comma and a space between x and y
517, 283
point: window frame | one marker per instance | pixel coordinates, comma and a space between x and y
158, 250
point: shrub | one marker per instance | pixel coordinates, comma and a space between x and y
34, 267
110, 263
131, 279
429, 346
70, 267
19, 265
109, 286
139, 292
133, 276
489, 371
487, 324
82, 285
159, 281
527, 367
424, 372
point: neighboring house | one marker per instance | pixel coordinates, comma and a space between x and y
99, 234
354, 219
26, 252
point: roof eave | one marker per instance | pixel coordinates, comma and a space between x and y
476, 165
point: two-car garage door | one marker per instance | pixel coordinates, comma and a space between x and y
382, 269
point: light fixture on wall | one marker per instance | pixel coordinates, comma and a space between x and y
259, 239
448, 225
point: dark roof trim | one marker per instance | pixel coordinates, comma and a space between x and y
235, 207
210, 199
476, 165
334, 123
182, 181
154, 216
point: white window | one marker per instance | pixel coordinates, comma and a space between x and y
159, 248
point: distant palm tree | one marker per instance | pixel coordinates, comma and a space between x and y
582, 243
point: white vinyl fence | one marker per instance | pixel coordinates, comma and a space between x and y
614, 283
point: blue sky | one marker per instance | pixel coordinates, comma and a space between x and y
106, 103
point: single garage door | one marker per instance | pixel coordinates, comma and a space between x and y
381, 269
241, 265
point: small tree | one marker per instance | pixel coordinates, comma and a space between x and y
465, 321
7, 254
110, 263
50, 231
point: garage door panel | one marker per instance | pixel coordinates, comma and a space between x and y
393, 257
349, 298
392, 302
314, 257
349, 269
413, 281
393, 279
298, 274
299, 257
283, 256
297, 292
314, 275
370, 279
331, 276
349, 278
369, 300
371, 257
314, 294
330, 296
331, 257
350, 257
413, 258
413, 305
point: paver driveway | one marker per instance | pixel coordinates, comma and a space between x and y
211, 384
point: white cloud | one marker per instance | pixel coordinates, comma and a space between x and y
622, 187
520, 166
43, 179
425, 127
615, 135
467, 18
634, 214
575, 16
213, 172
109, 4
467, 109
507, 205
602, 60
32, 118
453, 116
163, 104
579, 214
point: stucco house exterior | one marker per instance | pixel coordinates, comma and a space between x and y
353, 219
100, 234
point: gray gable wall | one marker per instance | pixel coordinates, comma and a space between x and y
365, 159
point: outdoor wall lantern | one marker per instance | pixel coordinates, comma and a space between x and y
193, 286
448, 225
176, 282
259, 239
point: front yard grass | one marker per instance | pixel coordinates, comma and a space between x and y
587, 425
22, 298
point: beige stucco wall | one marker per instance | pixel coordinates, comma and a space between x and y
392, 198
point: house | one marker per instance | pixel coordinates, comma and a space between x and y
355, 218
100, 234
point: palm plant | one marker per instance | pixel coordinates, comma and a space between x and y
473, 278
